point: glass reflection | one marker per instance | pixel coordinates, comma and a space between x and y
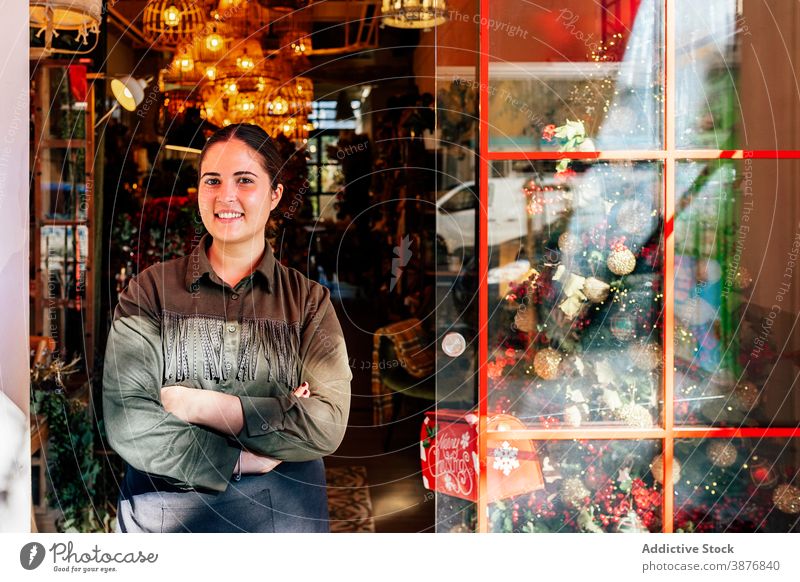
734, 74
575, 288
736, 257
601, 67
738, 485
587, 486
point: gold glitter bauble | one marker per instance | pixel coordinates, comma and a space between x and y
621, 262
546, 363
743, 279
645, 357
596, 290
657, 469
747, 396
573, 492
787, 498
635, 415
569, 244
633, 217
721, 454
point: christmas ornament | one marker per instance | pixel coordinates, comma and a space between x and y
721, 454
596, 290
631, 523
621, 261
525, 319
743, 279
573, 492
787, 498
645, 356
633, 217
657, 469
575, 298
762, 474
505, 458
569, 244
546, 363
572, 416
623, 327
746, 396
611, 399
635, 415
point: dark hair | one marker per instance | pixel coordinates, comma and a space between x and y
257, 139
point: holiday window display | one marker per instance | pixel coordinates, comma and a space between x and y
577, 337
736, 485
577, 343
591, 487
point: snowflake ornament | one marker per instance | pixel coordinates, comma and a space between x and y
465, 440
505, 458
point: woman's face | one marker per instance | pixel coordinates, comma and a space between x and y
235, 195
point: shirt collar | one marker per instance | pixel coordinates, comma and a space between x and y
199, 264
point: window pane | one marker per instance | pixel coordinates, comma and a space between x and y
63, 183
64, 116
738, 485
575, 291
574, 486
735, 74
737, 244
64, 253
555, 61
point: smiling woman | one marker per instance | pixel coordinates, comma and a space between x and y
227, 377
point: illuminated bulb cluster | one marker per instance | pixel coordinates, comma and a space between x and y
171, 16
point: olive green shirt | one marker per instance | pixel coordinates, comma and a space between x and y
178, 323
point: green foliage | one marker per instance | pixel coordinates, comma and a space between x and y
72, 467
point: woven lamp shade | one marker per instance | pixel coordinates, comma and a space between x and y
413, 13
171, 23
66, 14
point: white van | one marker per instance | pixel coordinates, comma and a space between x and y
456, 214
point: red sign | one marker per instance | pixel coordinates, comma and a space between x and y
450, 463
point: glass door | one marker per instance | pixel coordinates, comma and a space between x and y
635, 298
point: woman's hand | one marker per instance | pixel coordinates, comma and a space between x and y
253, 464
302, 391
180, 401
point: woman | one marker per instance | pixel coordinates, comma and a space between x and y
226, 374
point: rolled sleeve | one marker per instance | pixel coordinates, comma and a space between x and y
139, 429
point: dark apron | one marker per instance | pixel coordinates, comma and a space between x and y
290, 498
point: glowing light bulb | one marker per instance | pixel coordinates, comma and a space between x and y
231, 88
245, 63
279, 106
186, 64
214, 42
171, 16
211, 73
